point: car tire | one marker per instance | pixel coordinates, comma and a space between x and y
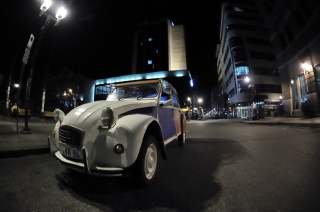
147, 162
183, 134
182, 138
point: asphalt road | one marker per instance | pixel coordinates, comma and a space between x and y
224, 166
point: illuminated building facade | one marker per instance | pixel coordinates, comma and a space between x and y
276, 45
296, 37
159, 46
247, 67
158, 52
100, 88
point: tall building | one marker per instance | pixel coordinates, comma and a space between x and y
159, 46
248, 72
158, 52
293, 27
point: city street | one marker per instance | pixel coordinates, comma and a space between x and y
224, 166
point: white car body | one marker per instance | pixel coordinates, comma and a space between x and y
82, 141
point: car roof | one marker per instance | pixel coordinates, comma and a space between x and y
137, 82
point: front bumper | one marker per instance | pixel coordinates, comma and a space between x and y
83, 166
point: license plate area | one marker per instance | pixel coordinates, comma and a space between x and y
71, 152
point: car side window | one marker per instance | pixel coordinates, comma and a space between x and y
175, 100
166, 97
168, 102
147, 91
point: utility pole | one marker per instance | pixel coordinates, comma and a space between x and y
24, 63
26, 129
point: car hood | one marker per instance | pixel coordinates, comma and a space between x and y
91, 112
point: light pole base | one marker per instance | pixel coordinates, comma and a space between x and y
26, 131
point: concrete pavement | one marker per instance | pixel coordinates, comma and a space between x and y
13, 142
288, 121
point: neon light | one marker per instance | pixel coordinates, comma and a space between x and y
191, 82
133, 77
92, 93
242, 70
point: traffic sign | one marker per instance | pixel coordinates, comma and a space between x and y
28, 49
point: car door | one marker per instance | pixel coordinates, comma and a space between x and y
166, 112
176, 111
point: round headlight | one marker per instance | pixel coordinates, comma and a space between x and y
58, 115
107, 117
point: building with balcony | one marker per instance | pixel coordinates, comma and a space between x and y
247, 67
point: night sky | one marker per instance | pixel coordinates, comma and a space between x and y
95, 39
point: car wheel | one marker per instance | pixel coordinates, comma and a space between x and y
147, 161
182, 138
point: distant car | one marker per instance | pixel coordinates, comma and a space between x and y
216, 116
126, 133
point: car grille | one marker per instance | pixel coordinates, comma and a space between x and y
71, 135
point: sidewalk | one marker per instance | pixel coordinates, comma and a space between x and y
15, 144
288, 121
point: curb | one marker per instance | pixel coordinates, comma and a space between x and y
23, 152
305, 125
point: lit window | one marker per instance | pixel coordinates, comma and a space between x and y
242, 70
149, 62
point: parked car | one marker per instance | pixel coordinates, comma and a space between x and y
126, 133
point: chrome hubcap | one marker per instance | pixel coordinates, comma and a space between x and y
150, 162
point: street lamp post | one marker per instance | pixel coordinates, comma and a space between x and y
73, 95
61, 13
192, 100
200, 109
190, 106
16, 85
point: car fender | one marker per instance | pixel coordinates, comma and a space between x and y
128, 131
53, 141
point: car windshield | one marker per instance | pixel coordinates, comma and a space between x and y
138, 92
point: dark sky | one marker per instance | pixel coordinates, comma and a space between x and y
96, 38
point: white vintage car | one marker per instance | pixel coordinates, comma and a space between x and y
127, 133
